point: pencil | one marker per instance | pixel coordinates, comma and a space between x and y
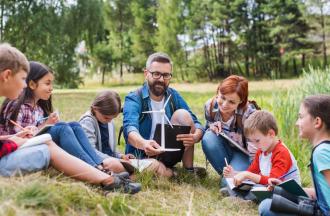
285, 175
16, 124
226, 161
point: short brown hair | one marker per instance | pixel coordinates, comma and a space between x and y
12, 59
260, 120
319, 106
107, 103
235, 84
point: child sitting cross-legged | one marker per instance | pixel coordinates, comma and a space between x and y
273, 159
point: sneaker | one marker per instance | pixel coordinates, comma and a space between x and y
121, 184
123, 175
198, 171
224, 192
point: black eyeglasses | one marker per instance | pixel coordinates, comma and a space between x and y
157, 75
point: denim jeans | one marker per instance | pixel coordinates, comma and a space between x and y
264, 209
217, 148
25, 160
72, 138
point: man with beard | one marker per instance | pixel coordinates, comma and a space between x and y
138, 132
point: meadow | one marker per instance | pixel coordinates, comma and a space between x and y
51, 193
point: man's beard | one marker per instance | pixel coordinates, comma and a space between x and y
157, 91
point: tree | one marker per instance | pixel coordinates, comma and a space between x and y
142, 32
118, 22
103, 58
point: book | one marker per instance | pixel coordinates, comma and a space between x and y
289, 185
261, 193
170, 135
44, 129
136, 165
37, 140
233, 143
246, 185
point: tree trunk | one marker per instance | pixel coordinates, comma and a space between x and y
103, 75
247, 65
323, 38
303, 60
295, 70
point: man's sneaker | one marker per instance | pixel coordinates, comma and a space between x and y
224, 192
198, 171
121, 184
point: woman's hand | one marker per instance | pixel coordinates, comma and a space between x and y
216, 127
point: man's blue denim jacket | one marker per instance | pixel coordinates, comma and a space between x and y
133, 108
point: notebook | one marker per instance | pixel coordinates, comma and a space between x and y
170, 136
134, 165
246, 185
290, 186
233, 143
44, 129
37, 140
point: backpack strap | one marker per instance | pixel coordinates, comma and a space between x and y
212, 104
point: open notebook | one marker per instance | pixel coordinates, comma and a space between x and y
37, 140
246, 185
133, 165
289, 185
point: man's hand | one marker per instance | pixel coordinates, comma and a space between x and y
187, 139
151, 148
18, 140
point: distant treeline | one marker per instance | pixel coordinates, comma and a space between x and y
206, 39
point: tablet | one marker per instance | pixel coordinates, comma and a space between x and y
170, 136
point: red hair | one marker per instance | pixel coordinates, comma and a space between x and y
235, 84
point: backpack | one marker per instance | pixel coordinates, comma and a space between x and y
144, 108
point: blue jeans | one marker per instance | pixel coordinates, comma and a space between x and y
25, 160
264, 209
72, 138
217, 148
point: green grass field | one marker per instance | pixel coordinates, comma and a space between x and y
51, 193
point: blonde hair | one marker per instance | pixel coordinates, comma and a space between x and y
13, 59
260, 120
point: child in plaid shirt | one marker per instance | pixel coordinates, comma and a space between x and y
14, 68
34, 108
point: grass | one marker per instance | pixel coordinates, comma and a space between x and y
51, 193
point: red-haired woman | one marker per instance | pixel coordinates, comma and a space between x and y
226, 113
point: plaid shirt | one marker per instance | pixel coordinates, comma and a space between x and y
231, 131
27, 116
6, 147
